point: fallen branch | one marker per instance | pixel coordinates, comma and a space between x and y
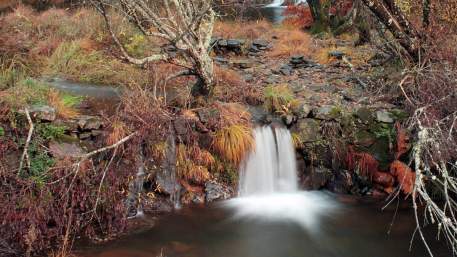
25, 154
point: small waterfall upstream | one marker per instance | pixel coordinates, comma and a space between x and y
268, 188
279, 3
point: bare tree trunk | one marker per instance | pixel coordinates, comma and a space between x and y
392, 17
187, 25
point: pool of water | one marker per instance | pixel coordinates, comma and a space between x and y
355, 228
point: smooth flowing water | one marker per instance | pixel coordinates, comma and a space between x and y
272, 218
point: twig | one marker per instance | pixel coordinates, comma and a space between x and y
27, 143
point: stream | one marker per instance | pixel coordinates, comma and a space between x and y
271, 217
358, 229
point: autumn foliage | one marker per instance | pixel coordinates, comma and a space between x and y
298, 16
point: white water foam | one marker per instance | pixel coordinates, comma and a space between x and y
268, 188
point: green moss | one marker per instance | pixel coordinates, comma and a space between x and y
2, 131
48, 131
136, 45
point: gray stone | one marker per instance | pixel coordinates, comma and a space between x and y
317, 178
260, 43
64, 150
221, 60
302, 110
215, 191
286, 70
337, 54
384, 116
288, 119
206, 114
327, 112
88, 122
85, 135
243, 64
43, 113
307, 130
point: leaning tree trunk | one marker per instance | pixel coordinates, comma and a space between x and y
392, 17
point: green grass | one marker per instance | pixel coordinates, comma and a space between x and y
277, 97
26, 92
49, 131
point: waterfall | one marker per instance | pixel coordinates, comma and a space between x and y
279, 3
268, 187
276, 3
271, 167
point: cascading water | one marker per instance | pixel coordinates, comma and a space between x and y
271, 167
276, 3
268, 188
279, 3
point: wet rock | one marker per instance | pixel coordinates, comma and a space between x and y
341, 182
87, 122
336, 54
215, 191
317, 178
96, 133
64, 150
384, 116
235, 43
43, 113
307, 130
327, 112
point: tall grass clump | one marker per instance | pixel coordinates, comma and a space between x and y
277, 97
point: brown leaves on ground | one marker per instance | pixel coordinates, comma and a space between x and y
405, 176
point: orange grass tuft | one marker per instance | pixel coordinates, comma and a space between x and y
405, 176
232, 143
63, 109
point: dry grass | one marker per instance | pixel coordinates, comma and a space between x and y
187, 168
292, 42
277, 98
64, 105
232, 143
231, 87
246, 30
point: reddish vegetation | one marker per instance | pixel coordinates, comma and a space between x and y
383, 178
404, 175
366, 164
403, 145
341, 7
299, 16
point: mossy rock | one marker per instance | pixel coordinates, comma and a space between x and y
365, 115
364, 138
307, 130
328, 112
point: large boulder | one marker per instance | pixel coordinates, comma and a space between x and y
64, 150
